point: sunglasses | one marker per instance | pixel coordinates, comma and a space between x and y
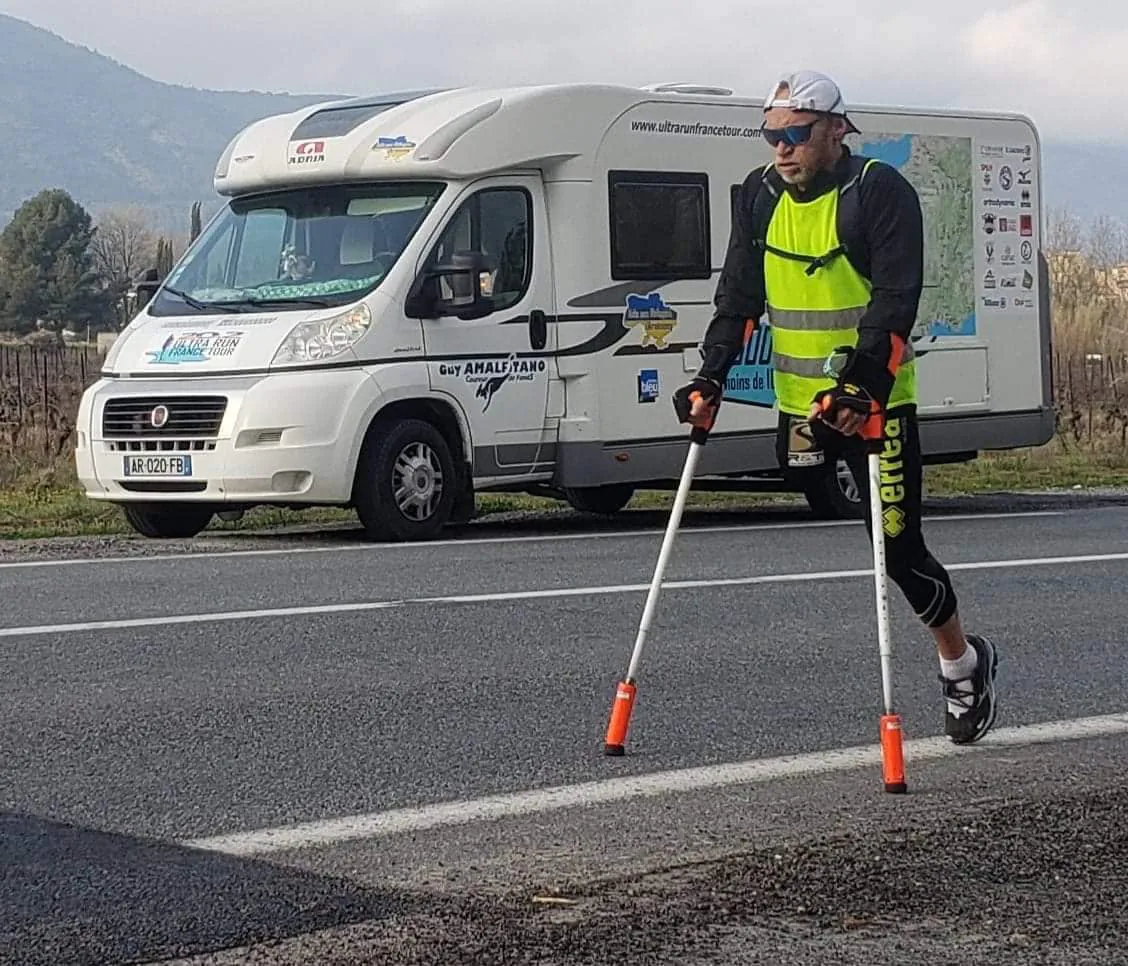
794, 134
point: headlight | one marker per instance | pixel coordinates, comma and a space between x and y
324, 338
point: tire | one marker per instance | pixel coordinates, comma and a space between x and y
835, 496
411, 452
465, 506
606, 500
167, 520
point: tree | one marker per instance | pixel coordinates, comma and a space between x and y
1089, 313
122, 245
121, 250
1088, 307
164, 257
196, 224
45, 265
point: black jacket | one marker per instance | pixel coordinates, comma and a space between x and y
887, 248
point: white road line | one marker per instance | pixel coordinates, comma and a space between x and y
475, 541
408, 820
499, 596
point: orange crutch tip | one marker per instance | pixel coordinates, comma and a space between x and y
615, 741
892, 755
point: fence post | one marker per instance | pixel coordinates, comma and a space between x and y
46, 408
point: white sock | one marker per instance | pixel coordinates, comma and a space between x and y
962, 667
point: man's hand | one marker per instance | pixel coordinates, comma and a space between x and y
697, 403
846, 408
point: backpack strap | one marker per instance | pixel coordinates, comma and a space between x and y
769, 187
850, 237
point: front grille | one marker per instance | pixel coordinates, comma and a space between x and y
194, 417
161, 446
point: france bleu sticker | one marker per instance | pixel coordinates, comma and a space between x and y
648, 385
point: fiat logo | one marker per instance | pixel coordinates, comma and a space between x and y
159, 416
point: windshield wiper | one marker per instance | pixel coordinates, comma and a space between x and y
245, 305
317, 303
194, 302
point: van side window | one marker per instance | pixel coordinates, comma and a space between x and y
659, 225
498, 223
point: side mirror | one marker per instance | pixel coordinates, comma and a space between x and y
468, 280
146, 286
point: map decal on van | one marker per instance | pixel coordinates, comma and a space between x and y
652, 316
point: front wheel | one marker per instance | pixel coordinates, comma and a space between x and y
167, 520
406, 482
834, 495
607, 499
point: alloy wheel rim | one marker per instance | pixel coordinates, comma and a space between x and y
417, 481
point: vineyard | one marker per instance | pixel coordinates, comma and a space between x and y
40, 389
1092, 401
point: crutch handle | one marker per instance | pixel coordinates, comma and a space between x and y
700, 434
871, 430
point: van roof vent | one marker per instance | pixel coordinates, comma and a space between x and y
687, 89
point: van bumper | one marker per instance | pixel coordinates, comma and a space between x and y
277, 438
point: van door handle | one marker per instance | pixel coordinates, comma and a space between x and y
538, 329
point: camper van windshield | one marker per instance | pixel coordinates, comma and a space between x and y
318, 246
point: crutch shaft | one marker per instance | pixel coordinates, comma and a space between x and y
892, 751
881, 587
663, 556
627, 690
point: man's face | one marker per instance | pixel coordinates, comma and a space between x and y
797, 164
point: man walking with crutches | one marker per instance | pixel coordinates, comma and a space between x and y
831, 245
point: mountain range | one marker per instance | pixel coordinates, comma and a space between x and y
110, 136
113, 137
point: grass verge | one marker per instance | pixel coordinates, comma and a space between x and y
50, 504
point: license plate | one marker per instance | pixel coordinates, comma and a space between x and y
158, 466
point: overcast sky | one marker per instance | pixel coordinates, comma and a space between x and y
1063, 63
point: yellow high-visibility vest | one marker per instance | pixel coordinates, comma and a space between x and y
815, 307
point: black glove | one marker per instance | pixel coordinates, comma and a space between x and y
849, 396
846, 395
683, 398
873, 369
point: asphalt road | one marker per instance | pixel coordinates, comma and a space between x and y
355, 754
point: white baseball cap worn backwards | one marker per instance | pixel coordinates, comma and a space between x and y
808, 90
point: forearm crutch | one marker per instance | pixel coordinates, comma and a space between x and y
627, 689
892, 753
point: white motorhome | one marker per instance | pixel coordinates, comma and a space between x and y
410, 299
